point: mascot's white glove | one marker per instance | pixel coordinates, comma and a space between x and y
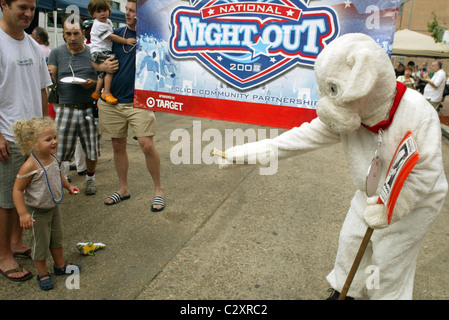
224, 163
260, 152
228, 161
375, 214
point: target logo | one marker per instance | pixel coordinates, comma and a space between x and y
164, 103
151, 102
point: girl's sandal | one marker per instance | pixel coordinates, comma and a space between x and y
45, 284
63, 271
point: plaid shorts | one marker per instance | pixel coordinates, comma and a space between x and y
77, 122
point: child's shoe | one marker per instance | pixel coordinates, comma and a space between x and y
95, 95
109, 98
46, 284
63, 271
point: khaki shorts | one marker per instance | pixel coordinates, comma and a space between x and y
47, 231
114, 120
434, 104
8, 173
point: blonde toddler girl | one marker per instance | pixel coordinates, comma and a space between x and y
38, 190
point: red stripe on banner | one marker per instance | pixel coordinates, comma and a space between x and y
221, 109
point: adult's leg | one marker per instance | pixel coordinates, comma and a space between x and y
121, 166
10, 230
153, 163
91, 165
89, 141
7, 261
17, 245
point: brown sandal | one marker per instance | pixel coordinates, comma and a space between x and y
29, 275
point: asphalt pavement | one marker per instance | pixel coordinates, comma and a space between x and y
224, 235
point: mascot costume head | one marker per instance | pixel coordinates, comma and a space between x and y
356, 83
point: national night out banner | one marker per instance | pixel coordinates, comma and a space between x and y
245, 61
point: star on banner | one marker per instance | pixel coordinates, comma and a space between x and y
347, 3
260, 48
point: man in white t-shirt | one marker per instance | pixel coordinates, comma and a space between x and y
24, 78
434, 88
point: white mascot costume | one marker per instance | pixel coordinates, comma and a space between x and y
360, 100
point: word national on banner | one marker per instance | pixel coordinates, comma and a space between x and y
248, 61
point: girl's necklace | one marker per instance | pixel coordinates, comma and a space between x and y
46, 179
133, 48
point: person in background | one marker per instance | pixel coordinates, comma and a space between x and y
79, 163
41, 36
434, 88
399, 69
407, 78
87, 27
74, 115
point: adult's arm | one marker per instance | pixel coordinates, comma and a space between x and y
110, 65
44, 102
4, 149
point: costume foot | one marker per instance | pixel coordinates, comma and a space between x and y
115, 198
19, 269
109, 98
335, 294
157, 201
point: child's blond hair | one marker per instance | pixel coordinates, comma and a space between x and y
95, 5
27, 132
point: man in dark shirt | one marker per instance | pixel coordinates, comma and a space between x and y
114, 118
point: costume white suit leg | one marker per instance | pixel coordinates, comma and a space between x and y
388, 266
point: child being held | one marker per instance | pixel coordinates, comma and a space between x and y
38, 190
101, 37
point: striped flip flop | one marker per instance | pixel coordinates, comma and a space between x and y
116, 198
157, 201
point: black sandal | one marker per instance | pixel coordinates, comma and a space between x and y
63, 271
46, 284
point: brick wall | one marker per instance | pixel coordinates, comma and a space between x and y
421, 15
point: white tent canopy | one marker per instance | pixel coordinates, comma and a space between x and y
415, 44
